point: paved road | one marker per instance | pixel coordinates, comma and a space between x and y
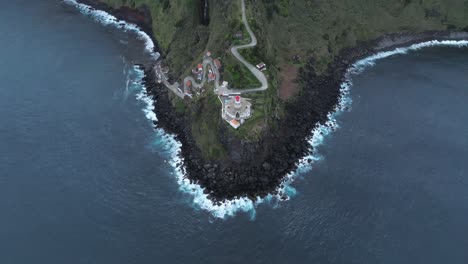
235, 51
162, 77
209, 61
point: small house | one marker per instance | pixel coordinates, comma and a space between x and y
218, 63
187, 87
261, 66
234, 123
211, 77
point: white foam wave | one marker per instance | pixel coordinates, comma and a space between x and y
323, 130
168, 142
318, 135
107, 19
360, 65
173, 147
285, 190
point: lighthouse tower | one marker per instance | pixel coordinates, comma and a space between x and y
238, 103
236, 110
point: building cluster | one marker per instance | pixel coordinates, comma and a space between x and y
235, 109
198, 72
211, 75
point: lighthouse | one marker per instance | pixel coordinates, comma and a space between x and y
237, 103
237, 108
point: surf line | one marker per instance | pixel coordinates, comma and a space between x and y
200, 200
322, 130
318, 135
107, 19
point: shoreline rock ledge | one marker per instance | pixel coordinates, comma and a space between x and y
262, 165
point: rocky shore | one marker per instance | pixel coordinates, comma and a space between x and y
140, 17
260, 167
264, 164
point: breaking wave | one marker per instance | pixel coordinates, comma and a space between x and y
285, 191
361, 65
321, 131
169, 144
107, 19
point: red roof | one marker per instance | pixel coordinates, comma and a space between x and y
234, 123
238, 98
217, 63
200, 66
188, 83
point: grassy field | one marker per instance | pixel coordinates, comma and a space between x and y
321, 28
206, 112
318, 29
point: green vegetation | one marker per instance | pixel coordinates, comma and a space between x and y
176, 25
206, 111
321, 28
316, 29
179, 104
278, 7
266, 108
238, 75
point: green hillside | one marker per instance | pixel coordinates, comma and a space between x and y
290, 33
316, 28
321, 28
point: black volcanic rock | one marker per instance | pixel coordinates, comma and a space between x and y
262, 166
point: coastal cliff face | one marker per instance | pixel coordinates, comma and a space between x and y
308, 46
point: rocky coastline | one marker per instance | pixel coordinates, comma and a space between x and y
268, 161
262, 165
140, 17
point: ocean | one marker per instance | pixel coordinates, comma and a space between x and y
85, 177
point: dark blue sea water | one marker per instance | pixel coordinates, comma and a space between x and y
84, 178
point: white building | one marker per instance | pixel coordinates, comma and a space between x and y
237, 108
261, 66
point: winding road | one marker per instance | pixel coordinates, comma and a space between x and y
209, 61
235, 51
